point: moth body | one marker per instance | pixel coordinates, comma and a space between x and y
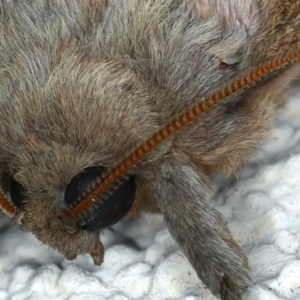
83, 83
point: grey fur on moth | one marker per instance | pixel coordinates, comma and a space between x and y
84, 82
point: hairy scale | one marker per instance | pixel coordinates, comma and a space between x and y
167, 92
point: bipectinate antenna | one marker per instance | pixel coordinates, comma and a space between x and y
121, 170
112, 178
6, 206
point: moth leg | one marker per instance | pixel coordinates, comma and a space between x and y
181, 190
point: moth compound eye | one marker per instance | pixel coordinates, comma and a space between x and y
111, 209
17, 193
79, 183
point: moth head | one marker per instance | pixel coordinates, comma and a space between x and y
81, 231
110, 210
61, 135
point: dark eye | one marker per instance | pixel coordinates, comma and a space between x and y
80, 183
17, 193
109, 211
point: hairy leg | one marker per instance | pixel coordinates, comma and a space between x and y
182, 189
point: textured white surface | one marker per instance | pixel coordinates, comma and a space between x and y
142, 261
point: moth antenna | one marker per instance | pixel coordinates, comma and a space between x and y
115, 174
6, 206
122, 168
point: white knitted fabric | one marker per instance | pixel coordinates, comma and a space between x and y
142, 261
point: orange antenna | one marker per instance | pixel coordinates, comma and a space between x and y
139, 153
7, 207
112, 177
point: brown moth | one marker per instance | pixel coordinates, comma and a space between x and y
109, 108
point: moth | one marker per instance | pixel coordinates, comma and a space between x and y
109, 108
